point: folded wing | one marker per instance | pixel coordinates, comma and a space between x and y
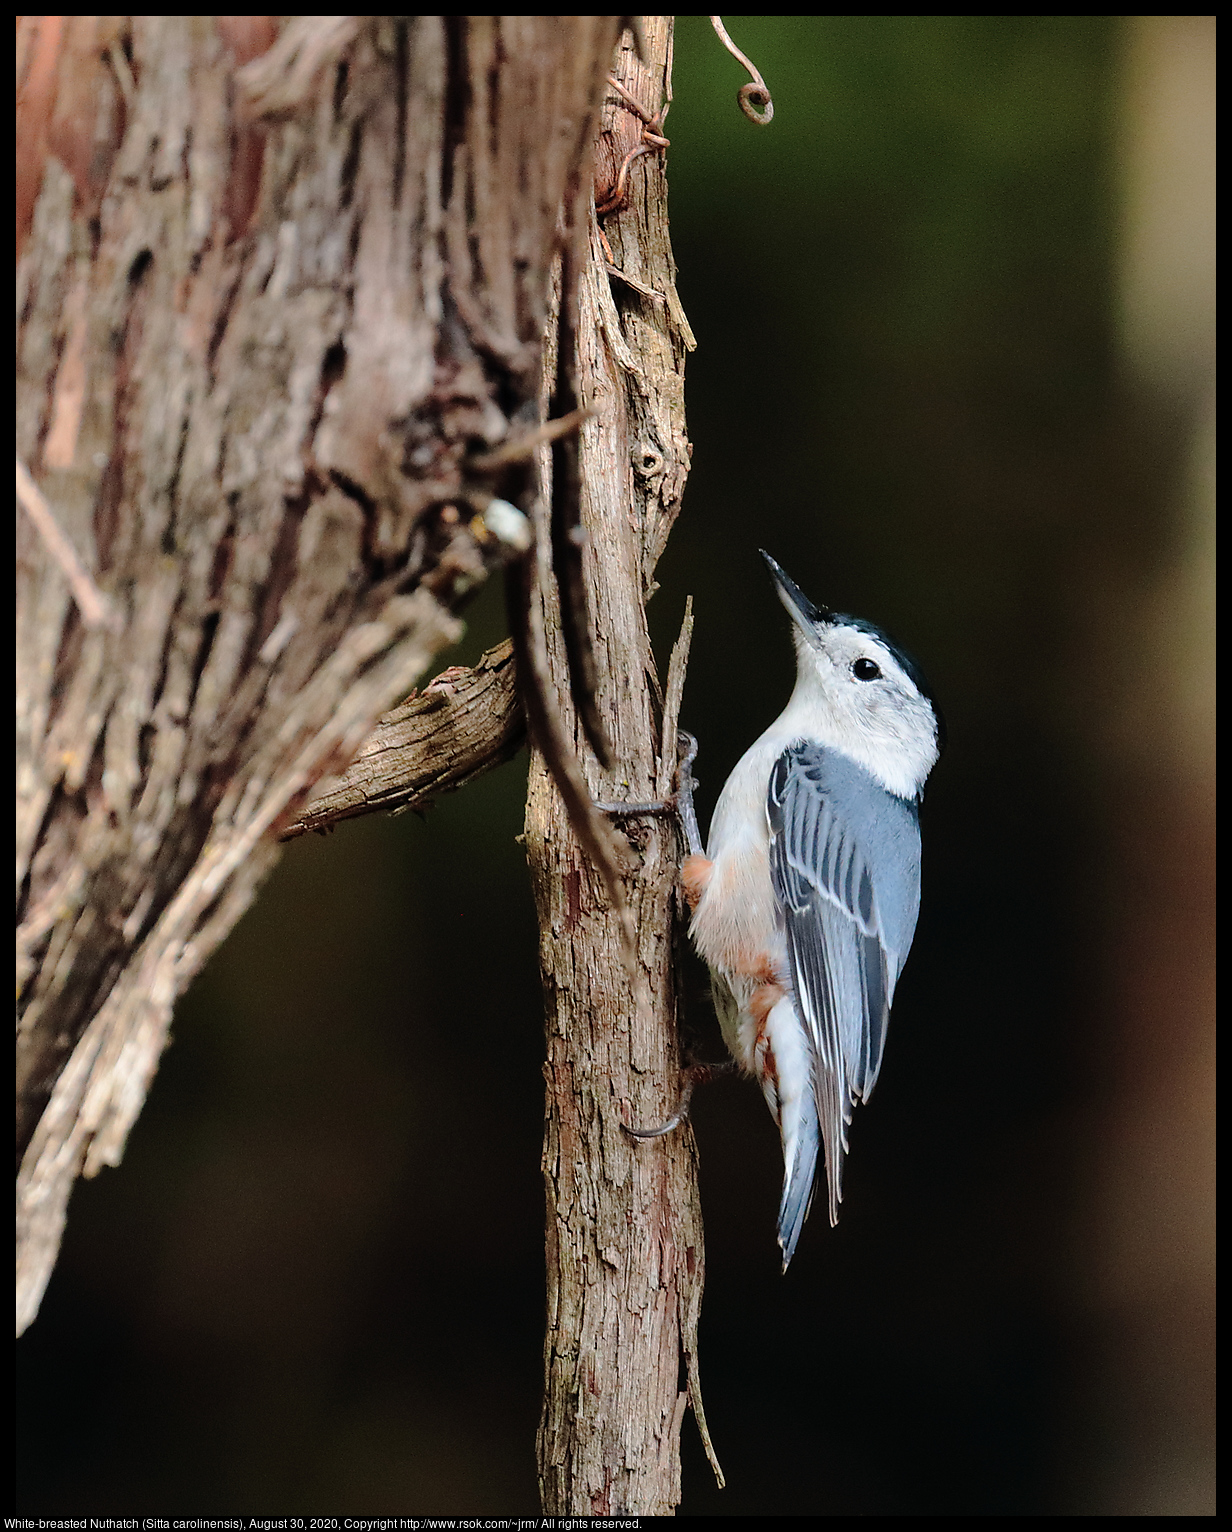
845, 863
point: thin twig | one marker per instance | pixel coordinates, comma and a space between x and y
685, 783
755, 94
674, 766
522, 448
96, 610
674, 695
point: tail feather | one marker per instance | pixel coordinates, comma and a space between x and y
800, 1149
786, 1068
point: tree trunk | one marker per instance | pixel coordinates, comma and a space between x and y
624, 1234
280, 286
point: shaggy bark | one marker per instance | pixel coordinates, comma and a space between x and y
624, 1236
270, 320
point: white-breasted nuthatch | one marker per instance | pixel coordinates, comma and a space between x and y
805, 901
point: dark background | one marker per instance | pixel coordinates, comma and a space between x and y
316, 1283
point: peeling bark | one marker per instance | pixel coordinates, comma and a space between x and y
280, 285
460, 726
624, 1235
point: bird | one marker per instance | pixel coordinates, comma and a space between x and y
805, 900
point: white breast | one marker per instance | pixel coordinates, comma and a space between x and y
735, 926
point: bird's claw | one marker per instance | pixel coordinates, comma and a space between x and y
680, 802
690, 1078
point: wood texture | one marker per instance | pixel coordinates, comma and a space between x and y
624, 1238
460, 726
280, 284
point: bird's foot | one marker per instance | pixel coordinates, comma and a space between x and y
680, 803
694, 1075
635, 810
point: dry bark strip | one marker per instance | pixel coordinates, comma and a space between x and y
624, 1236
267, 317
460, 726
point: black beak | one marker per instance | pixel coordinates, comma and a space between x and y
805, 612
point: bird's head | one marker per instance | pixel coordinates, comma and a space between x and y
859, 692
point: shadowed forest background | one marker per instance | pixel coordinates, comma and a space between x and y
927, 382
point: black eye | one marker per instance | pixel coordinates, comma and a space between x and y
865, 670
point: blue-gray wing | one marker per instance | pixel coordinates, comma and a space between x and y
845, 863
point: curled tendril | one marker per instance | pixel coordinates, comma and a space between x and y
652, 139
754, 97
